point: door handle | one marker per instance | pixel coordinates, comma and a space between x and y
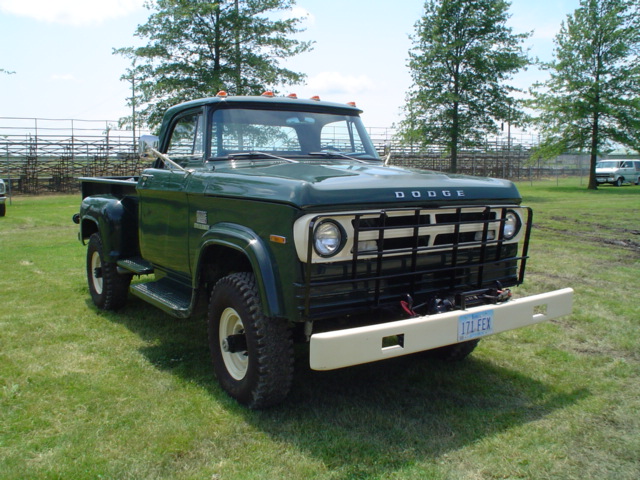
144, 178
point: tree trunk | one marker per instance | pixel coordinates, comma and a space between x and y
593, 185
455, 125
217, 49
237, 51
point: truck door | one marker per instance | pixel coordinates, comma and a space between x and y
164, 208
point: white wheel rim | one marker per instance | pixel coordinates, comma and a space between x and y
96, 264
236, 363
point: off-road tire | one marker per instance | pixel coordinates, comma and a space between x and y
3, 209
261, 375
108, 288
454, 353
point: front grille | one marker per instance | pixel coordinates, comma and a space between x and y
420, 252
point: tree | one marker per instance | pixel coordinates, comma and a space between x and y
591, 101
463, 54
134, 101
196, 48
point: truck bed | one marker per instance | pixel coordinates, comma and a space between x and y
119, 187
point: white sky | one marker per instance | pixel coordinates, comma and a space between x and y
61, 53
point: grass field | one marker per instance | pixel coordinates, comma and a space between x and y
87, 395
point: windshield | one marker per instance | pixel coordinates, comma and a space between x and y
609, 164
236, 132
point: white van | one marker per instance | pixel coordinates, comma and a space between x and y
618, 172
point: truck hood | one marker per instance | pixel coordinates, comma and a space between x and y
311, 184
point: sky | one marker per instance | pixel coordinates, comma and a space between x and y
61, 53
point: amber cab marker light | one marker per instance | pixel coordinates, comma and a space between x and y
316, 98
268, 93
278, 239
353, 104
221, 93
292, 95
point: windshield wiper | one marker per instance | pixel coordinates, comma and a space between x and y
337, 154
257, 154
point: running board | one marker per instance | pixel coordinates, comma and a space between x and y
135, 265
167, 295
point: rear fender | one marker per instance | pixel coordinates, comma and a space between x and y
115, 220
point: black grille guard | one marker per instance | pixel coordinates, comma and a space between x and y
375, 277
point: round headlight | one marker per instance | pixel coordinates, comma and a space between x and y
511, 225
327, 238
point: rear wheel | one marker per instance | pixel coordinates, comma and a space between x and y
252, 354
108, 288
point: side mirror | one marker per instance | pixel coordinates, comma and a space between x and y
147, 142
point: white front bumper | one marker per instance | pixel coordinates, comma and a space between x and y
354, 346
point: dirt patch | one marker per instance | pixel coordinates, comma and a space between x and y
626, 243
598, 226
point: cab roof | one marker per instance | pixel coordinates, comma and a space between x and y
267, 99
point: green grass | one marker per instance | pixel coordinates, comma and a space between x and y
87, 394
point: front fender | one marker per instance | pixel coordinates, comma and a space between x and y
115, 220
248, 243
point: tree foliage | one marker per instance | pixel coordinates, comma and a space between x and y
196, 48
591, 101
463, 55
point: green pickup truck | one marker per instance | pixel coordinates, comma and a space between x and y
277, 217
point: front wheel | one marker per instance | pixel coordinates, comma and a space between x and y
108, 288
618, 182
252, 354
3, 209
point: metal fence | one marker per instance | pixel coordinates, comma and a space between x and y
48, 155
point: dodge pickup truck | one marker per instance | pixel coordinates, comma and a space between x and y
278, 218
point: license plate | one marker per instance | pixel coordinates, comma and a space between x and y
474, 325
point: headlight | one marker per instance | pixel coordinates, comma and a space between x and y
327, 238
511, 225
